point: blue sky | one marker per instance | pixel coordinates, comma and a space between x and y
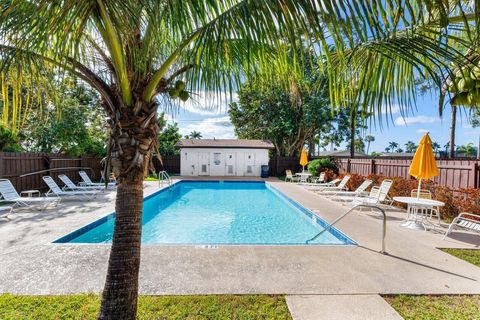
208, 115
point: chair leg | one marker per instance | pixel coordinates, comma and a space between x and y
450, 228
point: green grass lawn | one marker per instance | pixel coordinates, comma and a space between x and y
441, 307
470, 255
436, 307
150, 307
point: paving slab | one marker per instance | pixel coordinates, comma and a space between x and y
340, 307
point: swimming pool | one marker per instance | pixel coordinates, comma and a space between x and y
218, 212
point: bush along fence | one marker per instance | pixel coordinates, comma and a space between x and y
453, 173
21, 168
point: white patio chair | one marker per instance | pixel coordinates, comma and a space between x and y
347, 195
69, 185
465, 221
426, 194
10, 194
86, 181
377, 196
56, 191
320, 179
290, 177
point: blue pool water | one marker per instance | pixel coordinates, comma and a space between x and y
199, 212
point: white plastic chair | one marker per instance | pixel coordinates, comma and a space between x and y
377, 196
465, 221
289, 176
426, 194
10, 194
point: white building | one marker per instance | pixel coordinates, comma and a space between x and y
223, 157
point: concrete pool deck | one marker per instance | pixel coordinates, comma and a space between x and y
31, 264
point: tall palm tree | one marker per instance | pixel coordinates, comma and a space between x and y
453, 125
137, 55
369, 139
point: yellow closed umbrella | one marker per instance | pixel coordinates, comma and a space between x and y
423, 165
303, 159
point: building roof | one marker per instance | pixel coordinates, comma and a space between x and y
225, 143
397, 154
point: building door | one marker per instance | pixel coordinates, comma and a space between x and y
249, 163
203, 163
230, 164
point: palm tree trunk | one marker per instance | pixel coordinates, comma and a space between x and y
119, 299
352, 134
133, 136
452, 131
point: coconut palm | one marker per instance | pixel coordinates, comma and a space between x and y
138, 55
436, 147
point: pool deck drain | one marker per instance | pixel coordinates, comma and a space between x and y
31, 264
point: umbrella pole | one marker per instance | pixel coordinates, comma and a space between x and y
419, 188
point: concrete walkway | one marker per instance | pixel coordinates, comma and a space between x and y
340, 307
31, 264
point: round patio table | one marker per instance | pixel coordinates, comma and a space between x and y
417, 211
304, 176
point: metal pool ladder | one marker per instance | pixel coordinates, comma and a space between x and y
163, 177
384, 228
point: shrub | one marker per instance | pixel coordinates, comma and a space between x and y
321, 165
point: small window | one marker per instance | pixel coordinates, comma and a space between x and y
249, 157
204, 168
216, 159
230, 156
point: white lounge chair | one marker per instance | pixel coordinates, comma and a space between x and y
320, 179
10, 194
347, 195
319, 186
56, 191
89, 183
342, 186
465, 221
377, 196
69, 185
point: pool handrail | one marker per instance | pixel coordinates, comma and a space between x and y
384, 225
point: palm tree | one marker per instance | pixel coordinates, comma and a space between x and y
410, 147
436, 147
138, 54
453, 125
387, 149
195, 135
468, 150
369, 139
393, 145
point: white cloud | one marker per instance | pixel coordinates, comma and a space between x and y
208, 103
218, 127
390, 110
423, 130
404, 121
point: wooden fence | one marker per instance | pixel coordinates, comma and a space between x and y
19, 168
454, 173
